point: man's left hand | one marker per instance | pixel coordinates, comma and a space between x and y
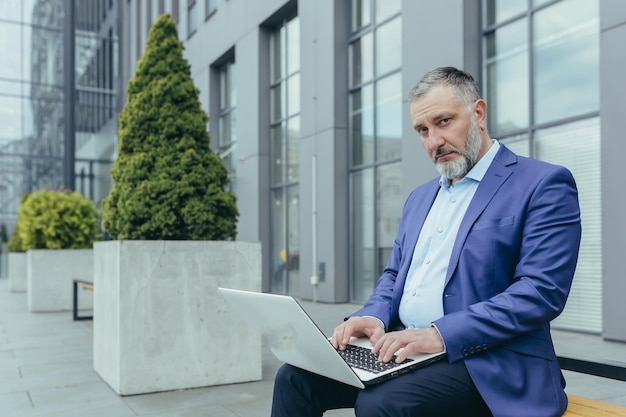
411, 341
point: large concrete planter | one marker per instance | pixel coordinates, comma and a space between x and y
17, 272
159, 322
50, 274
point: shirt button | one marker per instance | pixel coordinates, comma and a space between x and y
413, 292
453, 199
440, 229
427, 261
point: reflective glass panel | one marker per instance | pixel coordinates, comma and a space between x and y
16, 122
362, 126
293, 45
277, 102
577, 146
12, 53
192, 18
361, 14
224, 129
293, 95
388, 47
497, 11
293, 240
293, 148
389, 118
277, 54
507, 80
566, 49
278, 154
361, 60
518, 144
11, 10
362, 222
389, 202
387, 8
279, 242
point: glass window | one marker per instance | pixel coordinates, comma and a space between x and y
293, 149
518, 144
375, 132
293, 53
507, 77
388, 58
361, 14
363, 240
285, 155
11, 47
389, 118
192, 18
362, 126
389, 202
566, 60
278, 153
210, 6
497, 11
361, 60
387, 8
577, 146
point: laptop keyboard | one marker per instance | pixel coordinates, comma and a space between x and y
363, 358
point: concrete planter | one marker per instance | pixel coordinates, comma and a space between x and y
159, 322
17, 272
50, 273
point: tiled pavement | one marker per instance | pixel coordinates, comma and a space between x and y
46, 370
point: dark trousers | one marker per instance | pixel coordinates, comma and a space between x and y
440, 389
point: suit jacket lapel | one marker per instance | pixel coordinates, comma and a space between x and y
495, 176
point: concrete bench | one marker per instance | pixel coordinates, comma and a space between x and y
86, 285
585, 407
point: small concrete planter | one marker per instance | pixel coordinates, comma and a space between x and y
50, 275
17, 272
159, 322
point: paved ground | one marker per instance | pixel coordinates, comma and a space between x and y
46, 371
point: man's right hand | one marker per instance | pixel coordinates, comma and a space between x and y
356, 326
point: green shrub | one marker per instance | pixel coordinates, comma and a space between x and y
50, 219
168, 183
15, 242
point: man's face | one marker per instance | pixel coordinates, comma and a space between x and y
451, 136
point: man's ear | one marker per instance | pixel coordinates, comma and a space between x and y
480, 112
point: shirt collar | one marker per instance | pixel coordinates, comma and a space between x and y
478, 171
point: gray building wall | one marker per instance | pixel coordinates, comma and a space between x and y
612, 111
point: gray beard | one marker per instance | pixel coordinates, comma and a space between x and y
466, 161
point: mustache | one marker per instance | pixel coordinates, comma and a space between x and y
443, 150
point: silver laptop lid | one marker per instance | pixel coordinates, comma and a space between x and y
295, 338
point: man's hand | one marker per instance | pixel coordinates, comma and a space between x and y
411, 341
358, 327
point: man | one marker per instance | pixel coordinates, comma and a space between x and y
483, 261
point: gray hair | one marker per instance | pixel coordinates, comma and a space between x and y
464, 85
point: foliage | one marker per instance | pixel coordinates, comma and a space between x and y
168, 183
50, 219
15, 242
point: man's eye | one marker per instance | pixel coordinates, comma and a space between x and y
444, 121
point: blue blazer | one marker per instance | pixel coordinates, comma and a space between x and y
509, 275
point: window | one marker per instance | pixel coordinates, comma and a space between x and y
284, 156
210, 6
541, 72
192, 18
375, 132
227, 124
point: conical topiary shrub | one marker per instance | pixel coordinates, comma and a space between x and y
168, 183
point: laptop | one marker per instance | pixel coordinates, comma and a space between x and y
295, 339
